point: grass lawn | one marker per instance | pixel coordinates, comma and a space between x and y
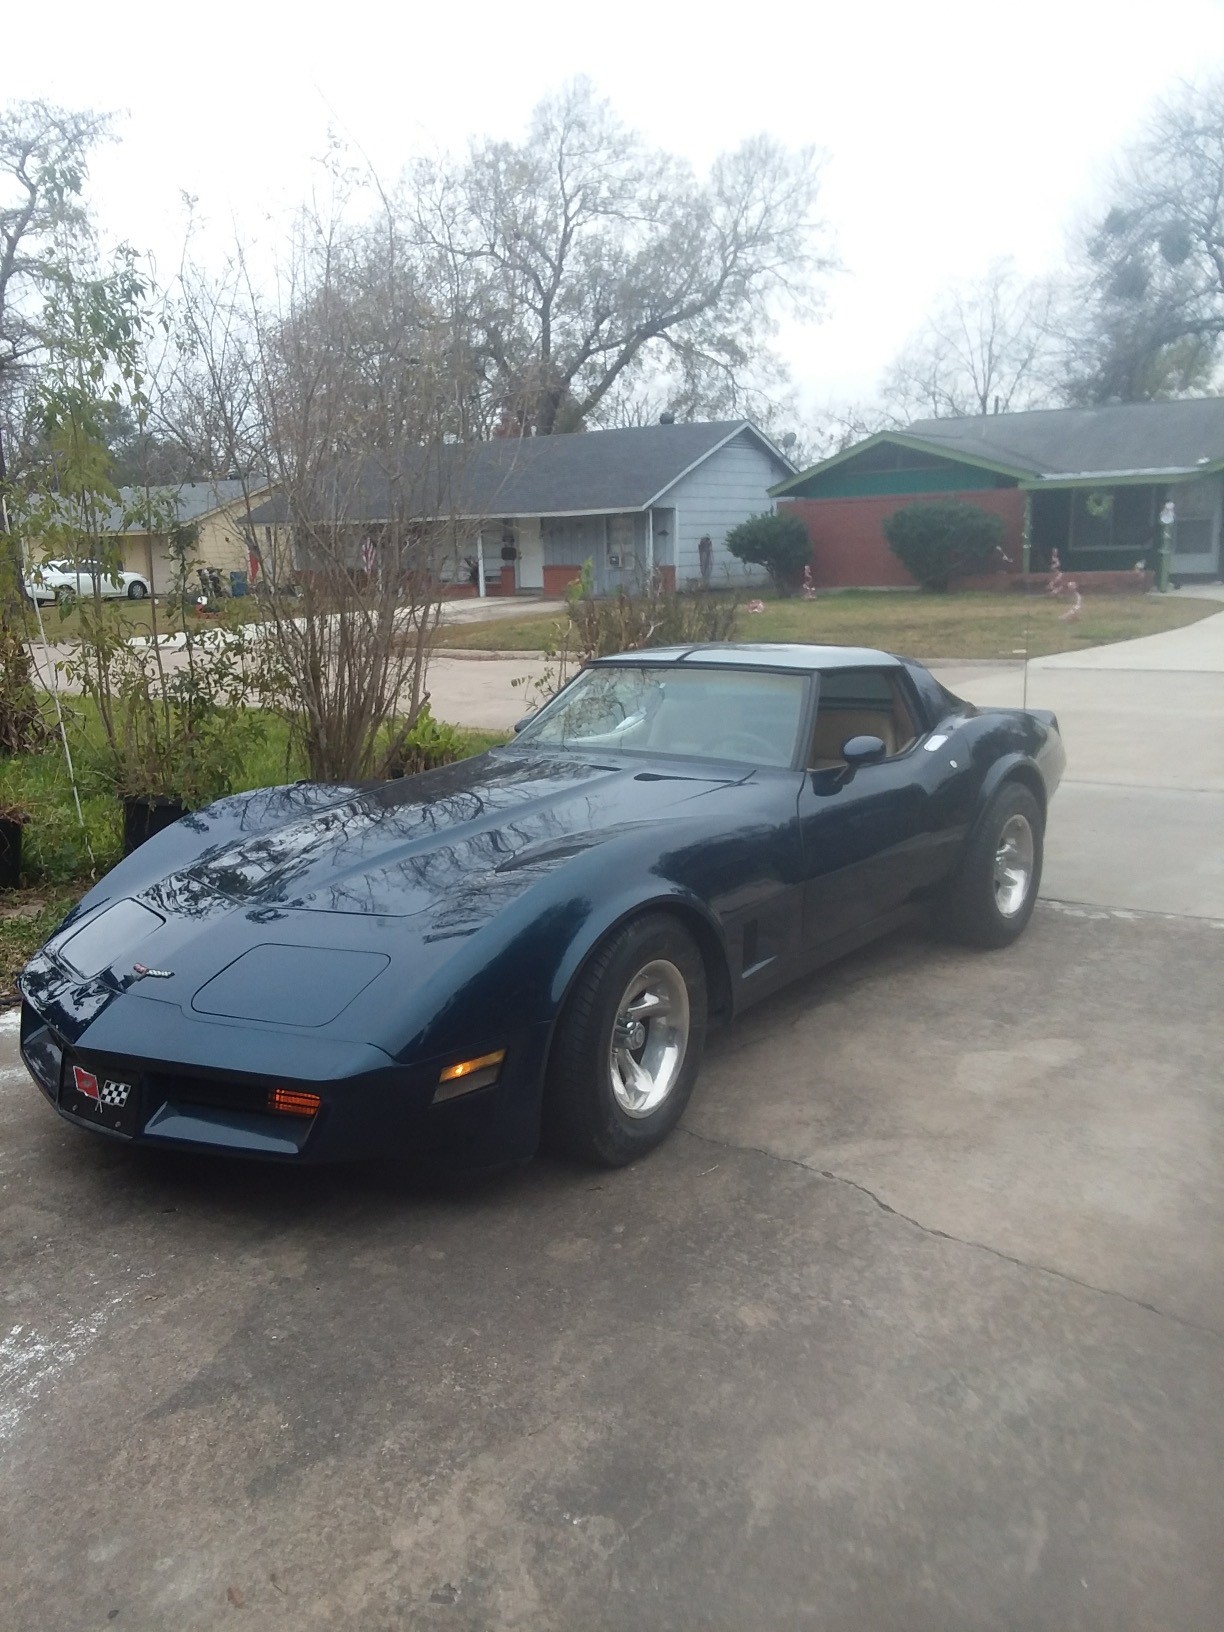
916, 625
62, 623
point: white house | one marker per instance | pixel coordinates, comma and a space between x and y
530, 512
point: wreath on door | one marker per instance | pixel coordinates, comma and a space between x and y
1099, 504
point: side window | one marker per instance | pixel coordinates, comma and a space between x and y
859, 703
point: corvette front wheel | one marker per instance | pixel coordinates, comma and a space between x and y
629, 1043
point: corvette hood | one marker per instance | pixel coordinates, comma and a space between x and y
406, 847
294, 924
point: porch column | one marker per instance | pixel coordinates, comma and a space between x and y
480, 572
1168, 519
1026, 536
649, 545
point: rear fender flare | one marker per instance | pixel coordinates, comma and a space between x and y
1013, 767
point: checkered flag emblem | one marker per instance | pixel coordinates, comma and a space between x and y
115, 1093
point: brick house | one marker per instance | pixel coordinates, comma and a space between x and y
1089, 483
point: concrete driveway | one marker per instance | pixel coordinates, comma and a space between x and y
1140, 818
917, 1323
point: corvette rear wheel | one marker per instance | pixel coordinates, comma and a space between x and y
992, 897
628, 1046
137, 592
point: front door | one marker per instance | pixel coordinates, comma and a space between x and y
620, 567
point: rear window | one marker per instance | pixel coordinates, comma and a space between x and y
856, 687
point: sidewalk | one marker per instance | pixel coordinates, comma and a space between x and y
1198, 648
494, 607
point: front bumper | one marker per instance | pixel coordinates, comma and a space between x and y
384, 1112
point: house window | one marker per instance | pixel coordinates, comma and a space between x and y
1122, 520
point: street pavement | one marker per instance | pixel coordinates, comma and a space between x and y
916, 1324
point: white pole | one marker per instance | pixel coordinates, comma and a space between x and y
480, 573
649, 545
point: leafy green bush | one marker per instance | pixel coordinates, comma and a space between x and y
778, 542
171, 722
426, 744
936, 542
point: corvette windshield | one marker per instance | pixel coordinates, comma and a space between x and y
740, 715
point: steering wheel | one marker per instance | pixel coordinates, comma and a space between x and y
739, 745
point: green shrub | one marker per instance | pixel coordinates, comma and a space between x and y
936, 542
778, 542
426, 744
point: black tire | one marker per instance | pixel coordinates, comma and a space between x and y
137, 592
977, 909
64, 596
583, 1117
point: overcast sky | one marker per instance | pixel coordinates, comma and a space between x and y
957, 131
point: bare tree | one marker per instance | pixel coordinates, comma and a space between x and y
345, 389
840, 424
204, 400
987, 348
579, 261
1150, 266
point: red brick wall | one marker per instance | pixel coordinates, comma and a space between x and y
849, 550
556, 579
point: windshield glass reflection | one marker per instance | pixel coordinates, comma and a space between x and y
738, 715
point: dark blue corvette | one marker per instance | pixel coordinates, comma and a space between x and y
530, 944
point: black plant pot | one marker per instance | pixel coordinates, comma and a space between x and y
10, 853
147, 815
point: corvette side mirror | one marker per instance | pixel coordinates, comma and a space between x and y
519, 724
863, 750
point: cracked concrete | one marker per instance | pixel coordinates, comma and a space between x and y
958, 1240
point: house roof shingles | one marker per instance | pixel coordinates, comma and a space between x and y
579, 472
1117, 439
191, 500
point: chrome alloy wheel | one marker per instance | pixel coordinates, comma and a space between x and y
649, 1038
1013, 866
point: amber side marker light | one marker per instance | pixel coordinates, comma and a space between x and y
469, 1075
292, 1102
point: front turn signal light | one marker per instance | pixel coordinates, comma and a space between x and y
468, 1075
293, 1102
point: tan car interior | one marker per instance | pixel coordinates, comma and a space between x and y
858, 704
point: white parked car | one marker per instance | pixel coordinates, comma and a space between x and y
62, 580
